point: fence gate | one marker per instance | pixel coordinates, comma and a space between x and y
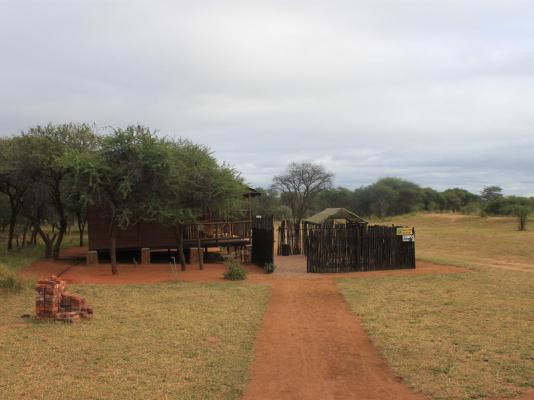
290, 238
262, 241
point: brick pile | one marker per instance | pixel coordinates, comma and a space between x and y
53, 303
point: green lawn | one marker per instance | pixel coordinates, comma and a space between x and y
175, 340
459, 336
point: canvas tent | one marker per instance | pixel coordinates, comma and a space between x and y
337, 215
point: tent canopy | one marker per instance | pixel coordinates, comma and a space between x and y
329, 214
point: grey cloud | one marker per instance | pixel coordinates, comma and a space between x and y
438, 92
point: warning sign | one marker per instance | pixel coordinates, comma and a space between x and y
403, 231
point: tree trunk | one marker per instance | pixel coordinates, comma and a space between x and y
48, 242
81, 227
200, 253
24, 233
179, 235
12, 223
33, 240
113, 250
63, 225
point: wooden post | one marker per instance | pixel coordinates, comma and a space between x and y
145, 256
92, 257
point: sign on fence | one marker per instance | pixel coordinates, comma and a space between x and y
408, 238
404, 231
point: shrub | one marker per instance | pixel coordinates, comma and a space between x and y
9, 282
521, 213
269, 268
235, 271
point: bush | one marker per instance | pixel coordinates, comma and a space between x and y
235, 271
269, 268
521, 213
9, 282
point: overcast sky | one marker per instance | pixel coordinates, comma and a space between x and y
437, 92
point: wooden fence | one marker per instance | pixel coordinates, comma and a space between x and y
262, 241
359, 248
289, 238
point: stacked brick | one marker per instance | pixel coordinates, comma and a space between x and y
53, 303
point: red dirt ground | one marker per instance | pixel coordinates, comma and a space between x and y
310, 346
71, 267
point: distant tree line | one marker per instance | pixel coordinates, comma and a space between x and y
50, 175
385, 198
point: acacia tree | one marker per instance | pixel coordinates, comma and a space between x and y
131, 175
197, 187
47, 159
521, 213
300, 184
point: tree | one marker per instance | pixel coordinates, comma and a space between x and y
267, 204
490, 193
335, 197
521, 212
198, 187
131, 174
49, 153
299, 185
15, 180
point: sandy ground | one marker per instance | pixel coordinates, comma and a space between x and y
310, 346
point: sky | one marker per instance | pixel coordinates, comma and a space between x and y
437, 92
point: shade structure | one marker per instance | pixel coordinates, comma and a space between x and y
329, 214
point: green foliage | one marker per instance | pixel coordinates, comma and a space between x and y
37, 174
131, 171
490, 193
9, 282
521, 212
394, 196
269, 268
235, 271
198, 185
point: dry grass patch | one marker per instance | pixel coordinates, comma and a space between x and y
470, 240
175, 340
456, 336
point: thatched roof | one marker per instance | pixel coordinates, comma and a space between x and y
329, 214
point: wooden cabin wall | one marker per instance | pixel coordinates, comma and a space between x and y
144, 234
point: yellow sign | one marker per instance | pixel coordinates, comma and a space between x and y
403, 231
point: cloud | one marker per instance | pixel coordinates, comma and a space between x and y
438, 92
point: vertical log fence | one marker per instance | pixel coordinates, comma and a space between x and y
262, 241
359, 247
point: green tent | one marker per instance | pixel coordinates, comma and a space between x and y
335, 214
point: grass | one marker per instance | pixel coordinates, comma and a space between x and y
459, 336
470, 240
456, 336
175, 340
17, 259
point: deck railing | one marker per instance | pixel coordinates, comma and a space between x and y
218, 230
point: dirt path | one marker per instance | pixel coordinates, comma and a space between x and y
312, 347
